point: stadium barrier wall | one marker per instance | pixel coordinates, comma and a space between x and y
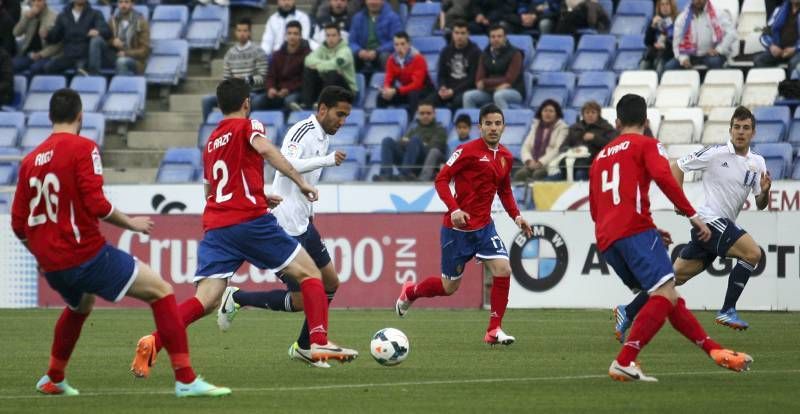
374, 254
561, 267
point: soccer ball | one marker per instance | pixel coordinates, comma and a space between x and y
389, 346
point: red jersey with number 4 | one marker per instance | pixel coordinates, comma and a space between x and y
58, 200
619, 182
479, 173
235, 172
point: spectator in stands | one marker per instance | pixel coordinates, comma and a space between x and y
223, 3
590, 131
658, 37
244, 60
321, 8
130, 42
6, 78
489, 13
701, 37
499, 76
34, 51
424, 143
371, 33
458, 64
337, 14
454, 11
76, 34
781, 38
7, 22
582, 14
539, 14
277, 24
463, 125
13, 8
285, 74
331, 64
406, 76
543, 141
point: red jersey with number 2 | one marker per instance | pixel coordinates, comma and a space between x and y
234, 170
58, 199
619, 182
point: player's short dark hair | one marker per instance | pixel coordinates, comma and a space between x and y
549, 102
463, 119
497, 26
402, 35
632, 111
332, 95
333, 26
490, 109
742, 113
245, 21
460, 23
295, 24
231, 94
65, 106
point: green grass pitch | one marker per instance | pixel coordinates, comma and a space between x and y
559, 364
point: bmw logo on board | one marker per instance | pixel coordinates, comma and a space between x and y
539, 262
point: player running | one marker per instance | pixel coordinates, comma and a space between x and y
731, 172
619, 181
239, 228
58, 200
480, 168
302, 146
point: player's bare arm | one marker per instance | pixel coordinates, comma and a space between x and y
273, 200
762, 201
523, 225
459, 218
140, 224
274, 157
677, 173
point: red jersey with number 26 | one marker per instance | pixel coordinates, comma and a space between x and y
235, 172
619, 182
58, 200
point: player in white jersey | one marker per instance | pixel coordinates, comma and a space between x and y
306, 147
731, 171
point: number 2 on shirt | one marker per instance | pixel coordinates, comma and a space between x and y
612, 185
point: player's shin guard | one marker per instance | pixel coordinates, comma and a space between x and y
498, 301
315, 307
684, 322
189, 311
649, 321
428, 288
65, 336
277, 300
304, 340
736, 283
173, 334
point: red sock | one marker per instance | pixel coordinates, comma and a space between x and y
684, 322
315, 306
646, 325
65, 335
428, 288
173, 334
498, 300
189, 311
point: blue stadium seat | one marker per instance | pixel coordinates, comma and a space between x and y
273, 122
92, 90
347, 135
518, 123
594, 53
385, 123
552, 53
38, 129
42, 87
570, 115
420, 25
444, 117
12, 125
375, 84
796, 171
426, 9
594, 86
179, 165
348, 171
20, 92
772, 123
125, 98
5, 203
608, 6
168, 22
214, 117
104, 9
94, 127
142, 9
430, 47
632, 17
297, 116
778, 157
361, 84
552, 85
208, 27
482, 41
525, 44
355, 153
794, 131
8, 172
168, 62
253, 4
515, 149
631, 50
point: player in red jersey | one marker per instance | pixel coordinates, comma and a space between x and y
619, 182
239, 227
480, 169
58, 200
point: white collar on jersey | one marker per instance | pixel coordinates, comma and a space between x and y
733, 150
320, 132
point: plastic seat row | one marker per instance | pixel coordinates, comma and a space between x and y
16, 132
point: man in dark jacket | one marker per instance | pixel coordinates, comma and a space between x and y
76, 27
285, 75
424, 143
782, 38
458, 63
495, 12
499, 76
590, 131
6, 78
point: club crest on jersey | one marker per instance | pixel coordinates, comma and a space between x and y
292, 150
454, 157
503, 163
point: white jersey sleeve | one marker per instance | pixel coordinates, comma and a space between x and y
295, 151
698, 160
761, 169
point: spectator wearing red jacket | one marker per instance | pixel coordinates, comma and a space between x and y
406, 76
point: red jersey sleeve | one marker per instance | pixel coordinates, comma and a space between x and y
89, 172
20, 209
507, 196
657, 165
456, 163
